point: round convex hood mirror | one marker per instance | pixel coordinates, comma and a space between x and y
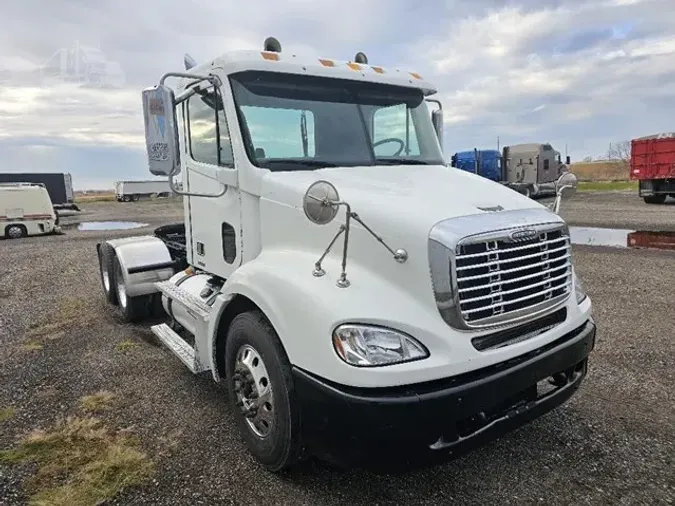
566, 185
321, 202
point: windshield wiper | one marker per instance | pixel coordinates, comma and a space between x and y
402, 161
304, 163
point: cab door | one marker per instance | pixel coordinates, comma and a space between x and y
213, 224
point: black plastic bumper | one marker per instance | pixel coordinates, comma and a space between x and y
439, 420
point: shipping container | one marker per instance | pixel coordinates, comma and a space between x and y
652, 163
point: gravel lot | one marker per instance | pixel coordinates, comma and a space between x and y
613, 443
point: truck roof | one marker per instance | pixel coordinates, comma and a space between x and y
663, 135
490, 153
532, 146
238, 61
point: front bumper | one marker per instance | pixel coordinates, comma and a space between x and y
439, 420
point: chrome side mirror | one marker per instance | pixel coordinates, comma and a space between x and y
565, 188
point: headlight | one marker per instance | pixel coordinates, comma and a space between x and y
370, 346
579, 289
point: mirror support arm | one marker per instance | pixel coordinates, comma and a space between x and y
213, 79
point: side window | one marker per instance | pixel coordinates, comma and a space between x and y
208, 133
546, 164
390, 123
280, 133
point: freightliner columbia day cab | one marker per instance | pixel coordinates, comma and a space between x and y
359, 298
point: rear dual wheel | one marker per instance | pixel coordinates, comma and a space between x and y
130, 309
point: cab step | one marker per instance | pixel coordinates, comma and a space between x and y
179, 347
187, 300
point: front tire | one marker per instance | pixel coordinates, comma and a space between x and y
261, 390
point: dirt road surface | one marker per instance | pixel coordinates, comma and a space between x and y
613, 443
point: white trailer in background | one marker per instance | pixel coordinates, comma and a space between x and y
127, 191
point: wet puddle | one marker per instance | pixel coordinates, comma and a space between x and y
109, 225
622, 238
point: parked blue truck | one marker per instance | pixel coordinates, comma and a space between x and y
531, 169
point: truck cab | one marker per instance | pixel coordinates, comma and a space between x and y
361, 300
533, 167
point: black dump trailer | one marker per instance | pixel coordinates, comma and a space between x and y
59, 186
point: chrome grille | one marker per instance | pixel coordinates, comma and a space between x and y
499, 280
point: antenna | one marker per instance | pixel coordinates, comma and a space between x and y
189, 61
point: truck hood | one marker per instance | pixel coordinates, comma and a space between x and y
394, 196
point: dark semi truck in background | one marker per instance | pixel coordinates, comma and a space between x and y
531, 169
59, 186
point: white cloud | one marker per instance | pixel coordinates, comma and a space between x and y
575, 72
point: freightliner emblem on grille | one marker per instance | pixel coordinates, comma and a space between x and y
526, 234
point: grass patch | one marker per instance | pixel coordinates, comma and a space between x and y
31, 346
607, 185
7, 414
100, 401
80, 462
126, 346
70, 311
100, 197
608, 170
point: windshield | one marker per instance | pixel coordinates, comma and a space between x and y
295, 122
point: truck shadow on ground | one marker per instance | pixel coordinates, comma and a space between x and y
539, 449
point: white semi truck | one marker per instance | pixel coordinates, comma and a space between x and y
128, 191
361, 300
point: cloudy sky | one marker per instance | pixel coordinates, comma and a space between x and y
576, 73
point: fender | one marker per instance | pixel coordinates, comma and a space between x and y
304, 310
145, 260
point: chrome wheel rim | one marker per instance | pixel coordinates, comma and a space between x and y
253, 389
15, 232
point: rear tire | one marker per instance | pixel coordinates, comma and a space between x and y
131, 309
15, 232
655, 199
106, 256
272, 437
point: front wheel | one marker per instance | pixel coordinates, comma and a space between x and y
261, 388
